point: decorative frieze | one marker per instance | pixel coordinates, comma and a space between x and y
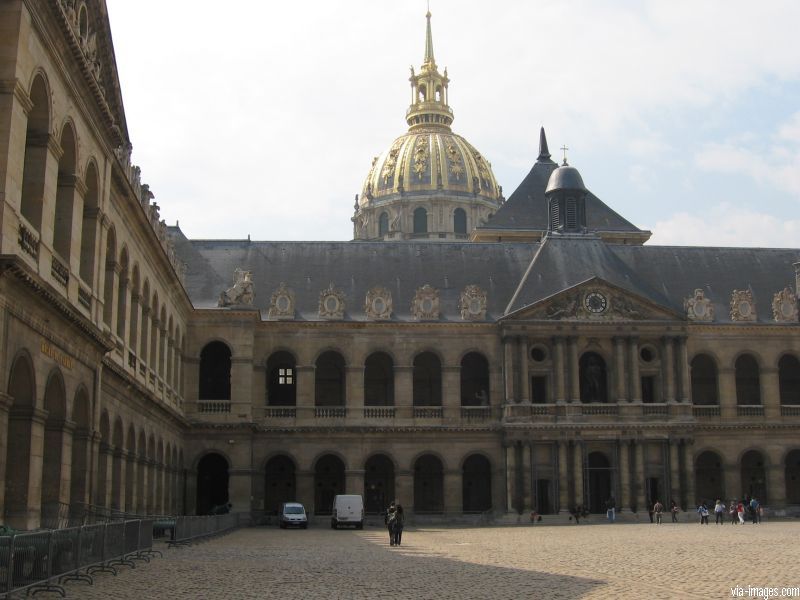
784, 306
425, 306
378, 304
331, 303
698, 307
281, 304
473, 303
743, 308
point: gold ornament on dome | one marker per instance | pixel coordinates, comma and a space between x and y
473, 303
698, 307
425, 306
331, 303
743, 308
281, 304
391, 161
378, 304
784, 306
421, 156
456, 166
483, 169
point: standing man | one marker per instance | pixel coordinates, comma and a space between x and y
611, 508
658, 511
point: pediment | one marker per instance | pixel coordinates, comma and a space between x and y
599, 301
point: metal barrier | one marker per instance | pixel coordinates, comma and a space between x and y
191, 529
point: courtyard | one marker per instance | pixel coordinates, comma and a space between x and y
584, 561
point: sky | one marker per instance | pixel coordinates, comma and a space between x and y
262, 118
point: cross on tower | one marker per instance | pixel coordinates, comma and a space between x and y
564, 149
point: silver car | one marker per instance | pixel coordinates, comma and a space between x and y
293, 514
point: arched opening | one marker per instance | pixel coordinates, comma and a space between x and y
53, 493
122, 293
91, 206
709, 478
460, 221
162, 344
81, 448
133, 328
748, 384
438, 93
476, 484
35, 163
474, 380
704, 380
600, 479
22, 389
593, 379
427, 380
383, 224
65, 194
215, 372
420, 220
754, 476
328, 482
83, 22
422, 92
281, 380
281, 485
378, 483
145, 328
329, 380
428, 485
789, 379
379, 380
108, 286
793, 477
212, 484
154, 332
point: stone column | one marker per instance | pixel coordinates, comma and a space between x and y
354, 400
404, 390
574, 371
404, 489
144, 337
668, 370
527, 450
640, 471
688, 461
770, 392
559, 370
524, 382
130, 484
118, 477
675, 474
683, 370
578, 473
619, 366
106, 463
511, 471
141, 484
625, 474
240, 486
451, 392
508, 366
727, 393
563, 477
305, 392
636, 380
453, 492
354, 481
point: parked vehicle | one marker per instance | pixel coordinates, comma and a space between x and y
348, 510
293, 514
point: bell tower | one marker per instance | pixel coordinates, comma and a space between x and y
429, 95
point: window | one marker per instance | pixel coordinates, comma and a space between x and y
460, 221
420, 220
383, 224
648, 389
539, 389
285, 377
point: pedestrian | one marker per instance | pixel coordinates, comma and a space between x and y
719, 512
703, 511
754, 506
576, 513
399, 524
611, 507
658, 510
673, 508
740, 512
388, 520
732, 512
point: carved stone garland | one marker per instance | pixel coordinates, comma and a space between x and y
473, 303
698, 307
281, 304
331, 303
425, 306
378, 304
743, 308
784, 306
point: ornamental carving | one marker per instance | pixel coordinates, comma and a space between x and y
378, 304
743, 308
425, 306
281, 305
391, 162
421, 155
331, 303
784, 306
565, 308
473, 303
241, 294
454, 159
698, 307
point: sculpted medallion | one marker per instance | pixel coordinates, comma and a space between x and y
331, 303
425, 306
784, 306
743, 308
698, 307
378, 304
281, 304
473, 303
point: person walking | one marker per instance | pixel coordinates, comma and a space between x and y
732, 512
658, 511
740, 512
673, 508
611, 508
388, 519
719, 512
399, 523
754, 506
703, 511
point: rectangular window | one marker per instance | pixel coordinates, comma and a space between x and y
539, 389
285, 376
648, 389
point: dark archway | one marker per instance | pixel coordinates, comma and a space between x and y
593, 378
709, 478
281, 380
379, 380
474, 380
91, 204
600, 480
36, 151
281, 484
754, 476
81, 448
215, 372
383, 224
793, 477
22, 389
704, 380
420, 220
427, 382
212, 483
55, 403
460, 221
65, 194
329, 380
428, 485
476, 484
328, 482
789, 379
378, 483
748, 383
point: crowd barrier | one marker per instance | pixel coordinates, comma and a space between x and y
41, 561
192, 529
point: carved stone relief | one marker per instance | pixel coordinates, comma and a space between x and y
281, 304
331, 303
241, 294
743, 308
378, 304
473, 303
698, 307
784, 306
425, 306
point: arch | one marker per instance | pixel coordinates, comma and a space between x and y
22, 389
281, 484
704, 380
383, 224
212, 483
754, 475
81, 447
154, 331
55, 403
428, 484
427, 380
91, 205
593, 378
474, 380
420, 220
215, 372
460, 221
281, 379
789, 379
709, 478
35, 163
65, 193
379, 380
329, 379
378, 483
792, 476
108, 287
328, 482
748, 384
122, 291
83, 22
143, 345
476, 484
133, 322
600, 482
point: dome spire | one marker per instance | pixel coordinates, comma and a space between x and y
429, 60
429, 108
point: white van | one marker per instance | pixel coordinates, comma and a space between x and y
348, 510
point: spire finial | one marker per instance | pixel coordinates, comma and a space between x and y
429, 39
564, 149
544, 153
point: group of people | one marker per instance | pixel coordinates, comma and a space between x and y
395, 521
739, 511
658, 509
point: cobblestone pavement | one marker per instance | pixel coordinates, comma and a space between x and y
584, 561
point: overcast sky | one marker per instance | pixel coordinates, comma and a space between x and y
262, 118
